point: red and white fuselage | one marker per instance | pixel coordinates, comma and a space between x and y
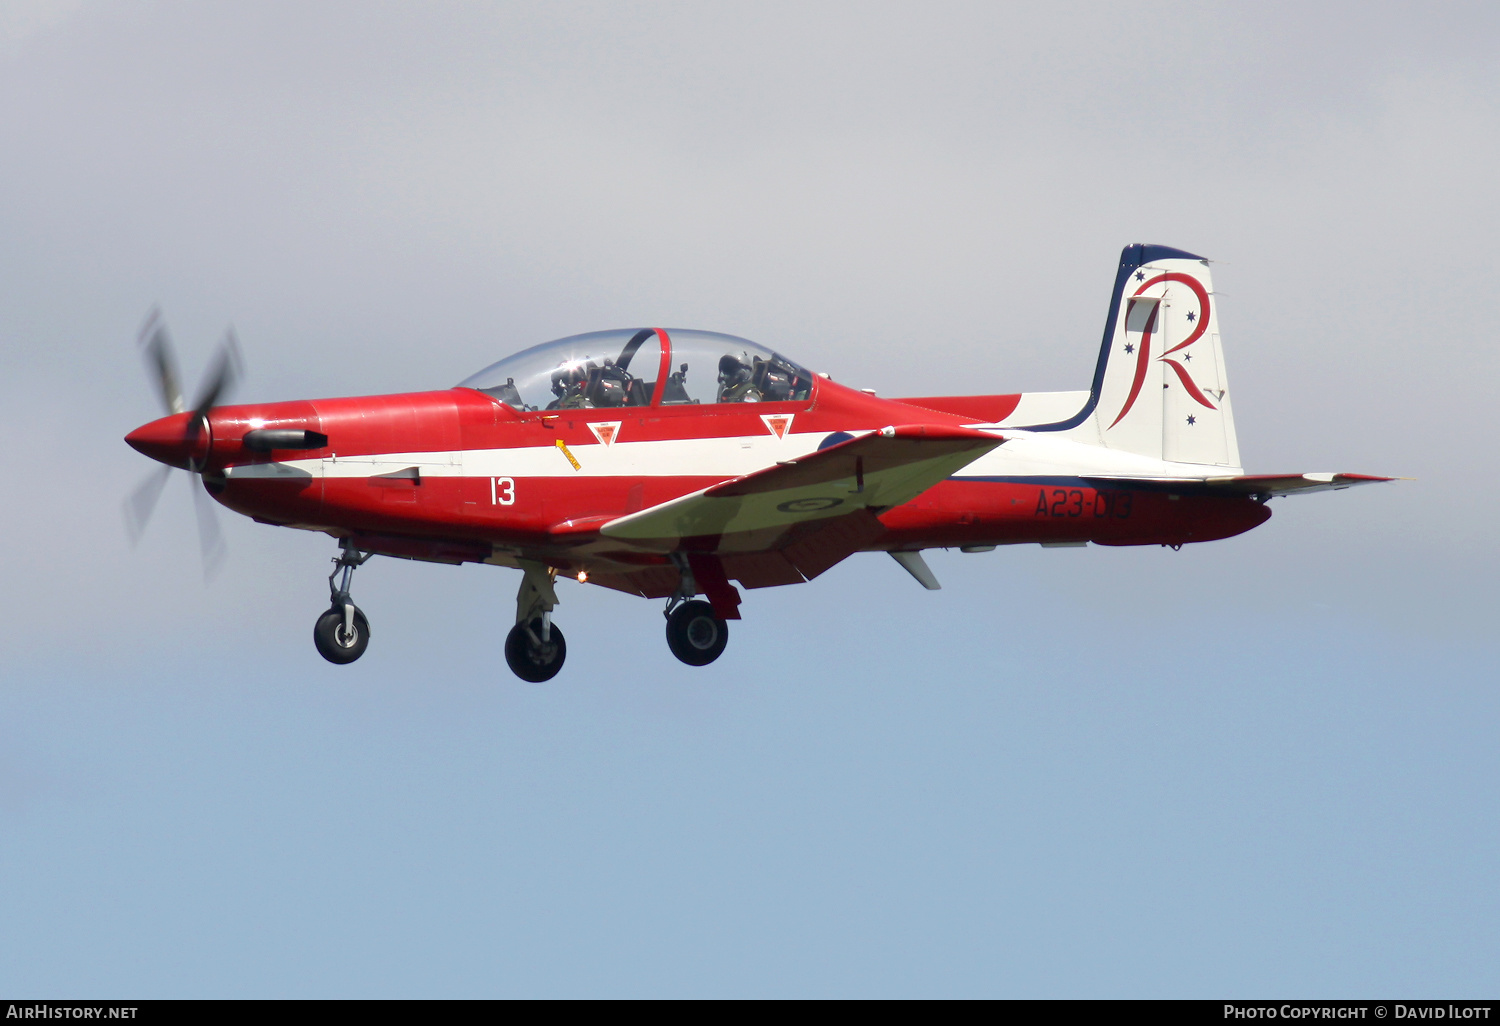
638, 459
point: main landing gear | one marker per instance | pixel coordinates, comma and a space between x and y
342, 633
535, 647
695, 633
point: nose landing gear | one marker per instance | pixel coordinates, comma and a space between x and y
342, 633
535, 648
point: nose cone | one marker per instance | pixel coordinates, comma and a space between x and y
170, 440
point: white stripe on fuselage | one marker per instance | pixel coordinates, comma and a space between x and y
676, 457
1022, 455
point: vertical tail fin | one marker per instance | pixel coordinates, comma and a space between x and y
1160, 388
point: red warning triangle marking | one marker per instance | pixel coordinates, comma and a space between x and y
778, 423
605, 431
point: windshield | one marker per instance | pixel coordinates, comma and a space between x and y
639, 367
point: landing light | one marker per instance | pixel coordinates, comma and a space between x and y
583, 576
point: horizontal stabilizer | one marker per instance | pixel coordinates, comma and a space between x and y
1248, 485
875, 471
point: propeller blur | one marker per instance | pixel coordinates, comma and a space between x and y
183, 438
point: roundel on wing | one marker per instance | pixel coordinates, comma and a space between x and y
837, 438
809, 505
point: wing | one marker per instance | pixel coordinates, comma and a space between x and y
1251, 484
781, 525
865, 475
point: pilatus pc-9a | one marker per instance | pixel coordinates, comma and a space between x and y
672, 464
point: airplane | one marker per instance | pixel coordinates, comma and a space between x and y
671, 464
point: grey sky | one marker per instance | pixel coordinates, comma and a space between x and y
1261, 765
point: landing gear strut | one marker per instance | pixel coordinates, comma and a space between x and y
535, 647
343, 633
695, 633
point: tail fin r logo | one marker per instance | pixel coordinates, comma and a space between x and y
1198, 319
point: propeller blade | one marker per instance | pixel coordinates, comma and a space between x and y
161, 362
221, 376
223, 372
142, 501
209, 535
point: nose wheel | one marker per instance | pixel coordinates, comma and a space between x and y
695, 633
535, 648
342, 633
535, 651
338, 641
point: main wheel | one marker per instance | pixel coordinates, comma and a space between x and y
535, 661
335, 643
695, 633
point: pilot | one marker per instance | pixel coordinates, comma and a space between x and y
735, 380
568, 382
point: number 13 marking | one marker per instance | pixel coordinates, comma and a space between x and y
502, 491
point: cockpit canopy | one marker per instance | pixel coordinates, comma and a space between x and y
649, 366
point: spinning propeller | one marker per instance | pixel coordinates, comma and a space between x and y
183, 437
